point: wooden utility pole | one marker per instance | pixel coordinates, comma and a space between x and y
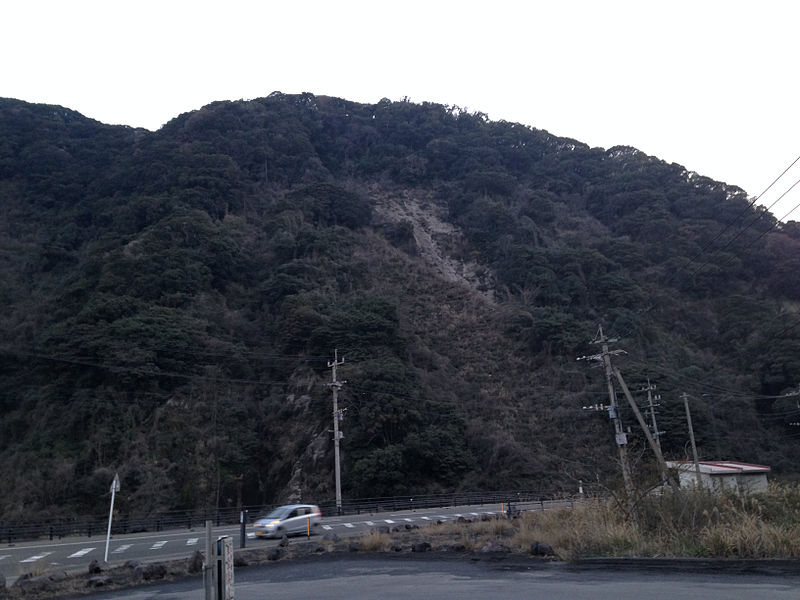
662, 466
337, 415
656, 432
613, 411
691, 437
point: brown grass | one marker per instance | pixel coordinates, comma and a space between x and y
375, 542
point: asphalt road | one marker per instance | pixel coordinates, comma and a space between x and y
347, 577
76, 553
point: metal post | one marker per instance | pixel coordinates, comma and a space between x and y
208, 565
114, 490
691, 437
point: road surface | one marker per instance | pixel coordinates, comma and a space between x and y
348, 577
76, 553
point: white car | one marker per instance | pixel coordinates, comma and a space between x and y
292, 519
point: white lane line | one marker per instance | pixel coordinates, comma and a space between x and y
37, 557
409, 520
327, 527
426, 518
158, 545
349, 525
82, 552
122, 548
2, 556
192, 541
475, 514
388, 520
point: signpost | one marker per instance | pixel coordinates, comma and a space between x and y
114, 490
224, 578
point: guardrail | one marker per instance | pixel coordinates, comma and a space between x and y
124, 524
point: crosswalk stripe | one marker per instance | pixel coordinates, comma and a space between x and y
388, 520
350, 525
192, 541
122, 548
327, 527
81, 552
37, 557
370, 523
4, 556
158, 545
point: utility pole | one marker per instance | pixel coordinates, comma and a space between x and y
613, 411
662, 466
656, 432
691, 437
337, 415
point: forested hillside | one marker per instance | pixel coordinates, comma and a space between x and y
171, 301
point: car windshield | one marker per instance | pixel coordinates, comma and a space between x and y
279, 513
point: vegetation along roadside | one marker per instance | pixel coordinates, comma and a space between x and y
676, 524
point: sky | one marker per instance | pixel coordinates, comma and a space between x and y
708, 84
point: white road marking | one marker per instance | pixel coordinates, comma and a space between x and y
409, 520
350, 525
475, 514
327, 527
251, 535
192, 541
4, 556
158, 545
388, 520
82, 552
37, 557
426, 518
370, 523
122, 548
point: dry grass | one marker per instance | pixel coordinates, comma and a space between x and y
684, 523
375, 542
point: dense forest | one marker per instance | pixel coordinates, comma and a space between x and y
172, 301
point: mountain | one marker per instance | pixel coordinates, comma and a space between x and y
173, 301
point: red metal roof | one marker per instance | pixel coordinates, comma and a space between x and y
720, 467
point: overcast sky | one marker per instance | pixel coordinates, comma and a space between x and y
709, 84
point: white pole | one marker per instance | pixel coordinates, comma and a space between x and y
114, 488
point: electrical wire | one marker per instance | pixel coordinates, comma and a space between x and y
735, 237
744, 212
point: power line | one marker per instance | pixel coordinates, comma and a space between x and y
744, 211
735, 237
